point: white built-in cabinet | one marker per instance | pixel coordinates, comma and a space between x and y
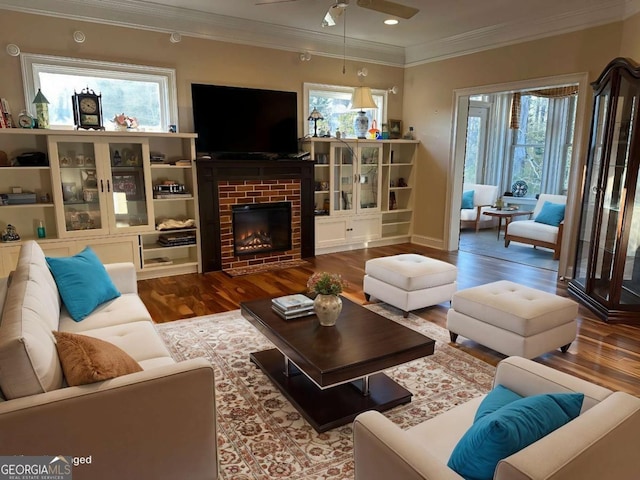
363, 191
98, 190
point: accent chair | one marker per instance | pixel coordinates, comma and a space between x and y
542, 230
483, 197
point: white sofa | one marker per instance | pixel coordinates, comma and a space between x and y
157, 423
535, 233
484, 197
600, 443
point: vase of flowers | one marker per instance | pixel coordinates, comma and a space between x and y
327, 304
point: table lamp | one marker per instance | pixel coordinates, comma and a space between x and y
362, 99
315, 115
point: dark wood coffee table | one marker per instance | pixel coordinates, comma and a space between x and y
331, 374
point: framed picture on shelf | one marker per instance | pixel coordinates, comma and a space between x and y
129, 183
395, 128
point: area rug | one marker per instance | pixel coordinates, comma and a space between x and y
261, 436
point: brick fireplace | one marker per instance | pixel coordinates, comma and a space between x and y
223, 184
257, 192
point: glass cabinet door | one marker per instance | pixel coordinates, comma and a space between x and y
592, 187
368, 177
129, 194
78, 171
343, 177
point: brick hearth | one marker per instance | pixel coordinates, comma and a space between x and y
257, 191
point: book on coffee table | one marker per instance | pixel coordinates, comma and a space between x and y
292, 302
291, 314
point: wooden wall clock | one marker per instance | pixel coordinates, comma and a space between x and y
87, 110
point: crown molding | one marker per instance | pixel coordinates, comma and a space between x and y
191, 23
525, 30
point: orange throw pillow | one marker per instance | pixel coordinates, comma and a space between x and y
86, 359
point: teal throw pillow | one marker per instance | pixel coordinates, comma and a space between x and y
467, 199
83, 282
509, 430
551, 214
496, 399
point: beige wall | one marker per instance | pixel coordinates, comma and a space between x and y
429, 102
631, 38
195, 60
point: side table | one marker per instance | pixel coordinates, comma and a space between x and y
508, 216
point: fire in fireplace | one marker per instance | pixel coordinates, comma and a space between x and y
261, 227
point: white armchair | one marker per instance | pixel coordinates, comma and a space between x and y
536, 233
600, 443
484, 197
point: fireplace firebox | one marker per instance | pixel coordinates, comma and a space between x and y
261, 227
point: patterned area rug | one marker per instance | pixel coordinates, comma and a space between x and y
261, 436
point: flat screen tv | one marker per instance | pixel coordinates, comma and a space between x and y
244, 120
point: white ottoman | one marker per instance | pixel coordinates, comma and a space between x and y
513, 319
409, 281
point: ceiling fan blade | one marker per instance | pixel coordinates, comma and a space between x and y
333, 14
390, 8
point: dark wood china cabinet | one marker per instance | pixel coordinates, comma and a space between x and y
607, 265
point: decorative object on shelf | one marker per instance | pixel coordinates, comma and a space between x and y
385, 132
89, 179
4, 159
373, 131
10, 234
519, 188
69, 191
402, 182
362, 99
392, 201
116, 160
125, 122
314, 116
410, 135
40, 230
42, 110
25, 120
395, 128
327, 304
87, 109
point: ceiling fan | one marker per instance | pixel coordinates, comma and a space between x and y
335, 10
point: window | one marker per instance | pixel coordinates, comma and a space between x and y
541, 146
333, 103
146, 93
538, 152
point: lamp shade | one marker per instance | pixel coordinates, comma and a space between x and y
362, 98
315, 115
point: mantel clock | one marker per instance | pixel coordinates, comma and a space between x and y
87, 110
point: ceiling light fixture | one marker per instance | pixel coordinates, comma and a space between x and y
391, 21
363, 72
79, 37
175, 37
393, 90
305, 57
13, 49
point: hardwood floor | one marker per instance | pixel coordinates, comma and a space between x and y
605, 354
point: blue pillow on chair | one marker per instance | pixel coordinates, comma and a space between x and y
82, 281
467, 199
551, 214
510, 429
495, 399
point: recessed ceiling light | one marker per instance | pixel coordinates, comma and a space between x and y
391, 21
